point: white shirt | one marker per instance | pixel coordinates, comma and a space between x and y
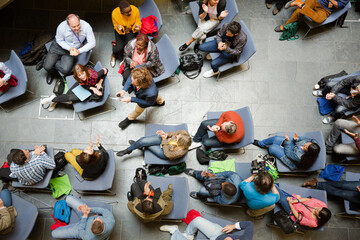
6, 71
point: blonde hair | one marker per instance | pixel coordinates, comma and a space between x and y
185, 140
142, 76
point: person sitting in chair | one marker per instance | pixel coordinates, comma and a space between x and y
349, 86
7, 211
88, 78
229, 128
223, 187
171, 145
25, 163
260, 193
147, 203
90, 164
317, 10
302, 154
7, 80
95, 223
229, 42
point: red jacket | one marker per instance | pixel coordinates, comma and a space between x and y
231, 138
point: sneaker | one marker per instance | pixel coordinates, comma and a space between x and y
328, 120
131, 142
268, 5
194, 145
169, 228
310, 183
112, 60
160, 105
275, 11
123, 152
279, 28
188, 237
189, 171
125, 123
210, 73
47, 100
294, 3
194, 195
329, 150
317, 93
316, 87
208, 57
52, 106
183, 47
256, 143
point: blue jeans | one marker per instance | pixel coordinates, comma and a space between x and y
5, 196
209, 229
342, 189
71, 230
224, 57
283, 200
203, 193
152, 143
202, 134
275, 149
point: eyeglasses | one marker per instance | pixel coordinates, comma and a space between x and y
128, 13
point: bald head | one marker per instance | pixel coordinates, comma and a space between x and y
73, 21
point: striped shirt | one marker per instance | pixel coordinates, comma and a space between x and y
32, 171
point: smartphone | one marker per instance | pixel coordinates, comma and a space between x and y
80, 178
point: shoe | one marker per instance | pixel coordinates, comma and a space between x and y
131, 142
278, 28
268, 5
294, 3
52, 106
123, 152
189, 171
125, 123
40, 64
310, 183
188, 237
316, 87
210, 73
275, 11
196, 47
208, 57
256, 143
194, 195
169, 228
113, 60
183, 47
49, 78
328, 120
160, 105
317, 93
194, 145
47, 100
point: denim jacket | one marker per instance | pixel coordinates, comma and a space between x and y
293, 151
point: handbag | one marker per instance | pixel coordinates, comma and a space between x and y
284, 221
191, 62
289, 32
59, 87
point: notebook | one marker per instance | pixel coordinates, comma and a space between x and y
81, 93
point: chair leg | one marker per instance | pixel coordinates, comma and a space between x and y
107, 107
218, 76
306, 34
38, 200
103, 200
345, 215
106, 192
168, 85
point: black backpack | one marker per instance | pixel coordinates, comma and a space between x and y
191, 62
60, 163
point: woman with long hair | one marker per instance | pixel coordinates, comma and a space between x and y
88, 78
299, 153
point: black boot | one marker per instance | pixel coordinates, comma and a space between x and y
196, 47
125, 123
49, 78
183, 47
123, 152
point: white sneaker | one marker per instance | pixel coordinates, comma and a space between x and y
188, 237
208, 57
210, 73
169, 228
317, 93
328, 120
195, 145
47, 100
316, 87
52, 106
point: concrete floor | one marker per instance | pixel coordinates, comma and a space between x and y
277, 88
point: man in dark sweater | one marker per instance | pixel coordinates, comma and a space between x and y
229, 42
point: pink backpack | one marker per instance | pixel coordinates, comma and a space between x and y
149, 26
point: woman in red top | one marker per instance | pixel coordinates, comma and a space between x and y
310, 212
88, 79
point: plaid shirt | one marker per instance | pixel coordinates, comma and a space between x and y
32, 171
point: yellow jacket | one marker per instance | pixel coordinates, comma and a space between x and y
128, 22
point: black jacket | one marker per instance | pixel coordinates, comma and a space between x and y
220, 7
